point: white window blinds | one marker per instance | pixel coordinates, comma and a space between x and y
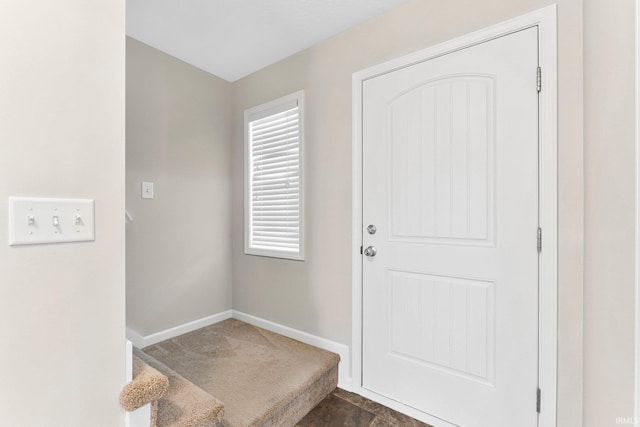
274, 180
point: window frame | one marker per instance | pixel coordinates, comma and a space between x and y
256, 113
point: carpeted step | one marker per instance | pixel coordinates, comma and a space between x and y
292, 410
147, 386
184, 404
264, 379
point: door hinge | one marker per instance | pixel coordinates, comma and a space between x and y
539, 79
538, 398
539, 239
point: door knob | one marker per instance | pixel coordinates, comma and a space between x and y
370, 251
372, 229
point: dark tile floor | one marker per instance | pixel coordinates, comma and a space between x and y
342, 408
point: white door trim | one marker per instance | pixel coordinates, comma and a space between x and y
636, 400
545, 20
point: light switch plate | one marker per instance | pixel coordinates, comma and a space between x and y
35, 220
147, 190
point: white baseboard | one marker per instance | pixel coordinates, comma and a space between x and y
136, 339
344, 375
145, 341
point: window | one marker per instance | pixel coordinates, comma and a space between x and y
274, 180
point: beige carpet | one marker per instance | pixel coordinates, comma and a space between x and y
263, 379
184, 404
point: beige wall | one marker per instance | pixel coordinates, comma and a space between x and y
609, 210
315, 296
62, 309
178, 257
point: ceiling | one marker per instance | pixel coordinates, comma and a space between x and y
234, 38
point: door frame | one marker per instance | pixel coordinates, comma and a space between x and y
545, 19
636, 392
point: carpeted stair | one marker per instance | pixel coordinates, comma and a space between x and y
263, 379
147, 387
175, 401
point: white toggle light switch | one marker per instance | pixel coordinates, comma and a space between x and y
147, 190
41, 220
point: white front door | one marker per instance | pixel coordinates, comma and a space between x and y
450, 183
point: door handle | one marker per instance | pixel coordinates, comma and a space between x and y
370, 251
